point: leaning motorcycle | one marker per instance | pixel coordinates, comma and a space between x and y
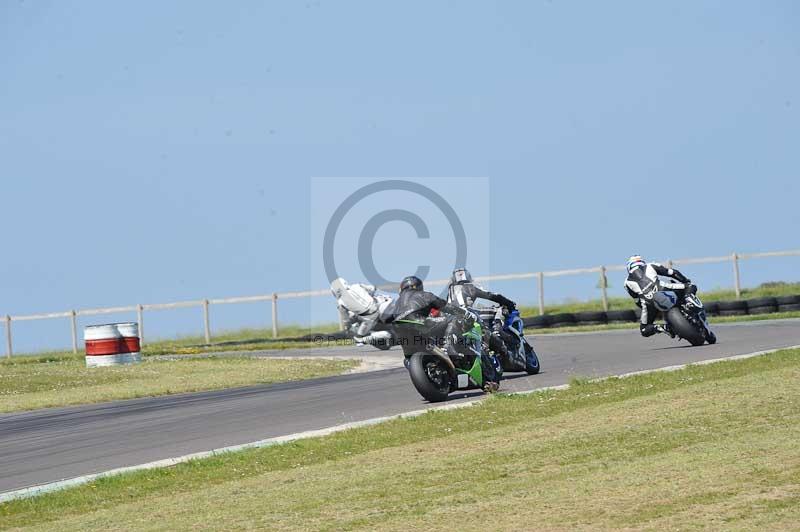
437, 368
686, 316
521, 355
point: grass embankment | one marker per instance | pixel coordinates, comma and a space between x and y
710, 446
247, 339
239, 340
27, 383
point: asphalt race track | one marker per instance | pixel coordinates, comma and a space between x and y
54, 444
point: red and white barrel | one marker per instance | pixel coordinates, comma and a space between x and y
112, 344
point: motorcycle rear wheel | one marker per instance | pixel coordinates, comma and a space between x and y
683, 327
430, 376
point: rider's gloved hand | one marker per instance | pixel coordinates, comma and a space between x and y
690, 289
469, 321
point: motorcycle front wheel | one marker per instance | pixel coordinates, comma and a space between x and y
531, 360
430, 376
683, 327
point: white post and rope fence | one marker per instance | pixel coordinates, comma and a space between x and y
205, 304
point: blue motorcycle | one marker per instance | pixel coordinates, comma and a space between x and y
521, 356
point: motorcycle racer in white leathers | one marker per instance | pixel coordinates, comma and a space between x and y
361, 309
643, 281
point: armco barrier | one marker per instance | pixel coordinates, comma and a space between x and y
204, 304
788, 303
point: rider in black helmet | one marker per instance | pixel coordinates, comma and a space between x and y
413, 320
412, 282
414, 302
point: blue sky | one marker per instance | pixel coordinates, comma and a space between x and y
157, 151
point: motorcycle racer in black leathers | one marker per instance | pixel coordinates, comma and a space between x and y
643, 279
419, 314
463, 291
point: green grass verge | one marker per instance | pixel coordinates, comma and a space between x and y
711, 446
27, 383
249, 339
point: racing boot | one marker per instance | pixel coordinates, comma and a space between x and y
490, 387
490, 374
666, 329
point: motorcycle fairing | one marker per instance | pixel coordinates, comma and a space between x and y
475, 374
665, 300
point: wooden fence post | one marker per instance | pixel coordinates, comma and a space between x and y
206, 322
74, 320
604, 287
540, 276
9, 348
140, 320
274, 315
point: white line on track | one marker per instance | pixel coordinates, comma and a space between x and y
84, 479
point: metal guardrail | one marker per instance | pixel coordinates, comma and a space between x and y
204, 304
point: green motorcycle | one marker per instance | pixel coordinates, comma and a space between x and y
436, 371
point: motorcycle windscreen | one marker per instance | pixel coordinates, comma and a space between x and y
694, 301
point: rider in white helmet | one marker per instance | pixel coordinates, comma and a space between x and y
643, 280
464, 292
361, 308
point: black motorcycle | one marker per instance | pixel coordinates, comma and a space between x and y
685, 315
